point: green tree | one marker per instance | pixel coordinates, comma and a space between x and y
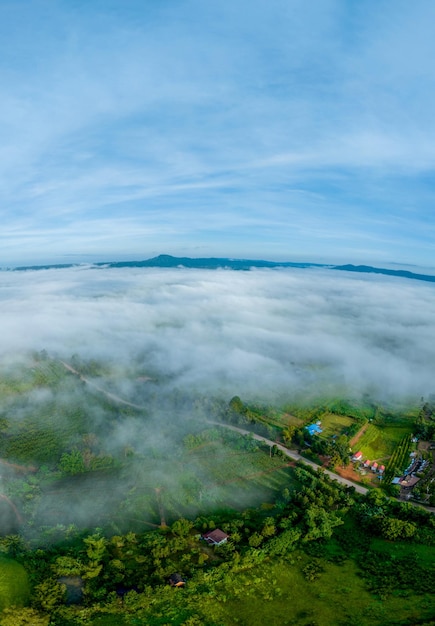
12, 545
48, 594
269, 527
283, 543
255, 540
72, 463
67, 566
95, 547
320, 523
96, 550
182, 527
236, 407
23, 617
287, 433
377, 498
393, 528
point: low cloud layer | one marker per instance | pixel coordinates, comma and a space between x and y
153, 337
264, 334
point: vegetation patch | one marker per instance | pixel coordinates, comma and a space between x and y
116, 491
333, 424
279, 593
379, 442
14, 584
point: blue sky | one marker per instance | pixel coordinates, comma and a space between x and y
282, 129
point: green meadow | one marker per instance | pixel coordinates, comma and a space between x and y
14, 584
279, 594
333, 424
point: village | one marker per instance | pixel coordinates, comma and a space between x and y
419, 470
408, 472
364, 465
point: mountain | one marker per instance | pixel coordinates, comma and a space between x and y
368, 269
166, 260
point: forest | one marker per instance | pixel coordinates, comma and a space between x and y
109, 491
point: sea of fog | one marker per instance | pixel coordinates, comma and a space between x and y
261, 334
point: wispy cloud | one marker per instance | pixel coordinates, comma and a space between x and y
206, 111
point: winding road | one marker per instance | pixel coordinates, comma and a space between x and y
291, 454
109, 395
295, 456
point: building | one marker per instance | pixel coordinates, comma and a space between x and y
215, 537
357, 456
407, 482
314, 429
175, 580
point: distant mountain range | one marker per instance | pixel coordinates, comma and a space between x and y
166, 260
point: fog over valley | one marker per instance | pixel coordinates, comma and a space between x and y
107, 376
263, 334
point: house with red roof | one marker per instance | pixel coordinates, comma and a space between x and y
374, 466
215, 537
357, 456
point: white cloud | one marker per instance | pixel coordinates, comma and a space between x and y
258, 334
203, 116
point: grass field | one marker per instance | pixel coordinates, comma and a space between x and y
401, 549
378, 442
280, 418
288, 419
279, 594
333, 424
14, 584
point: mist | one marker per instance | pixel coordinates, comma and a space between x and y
262, 334
148, 349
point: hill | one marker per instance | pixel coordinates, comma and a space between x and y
212, 263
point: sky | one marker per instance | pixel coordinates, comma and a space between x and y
278, 129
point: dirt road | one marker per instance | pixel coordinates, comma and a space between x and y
109, 395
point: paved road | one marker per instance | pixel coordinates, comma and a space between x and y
290, 453
295, 456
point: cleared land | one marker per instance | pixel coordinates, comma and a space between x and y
333, 424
